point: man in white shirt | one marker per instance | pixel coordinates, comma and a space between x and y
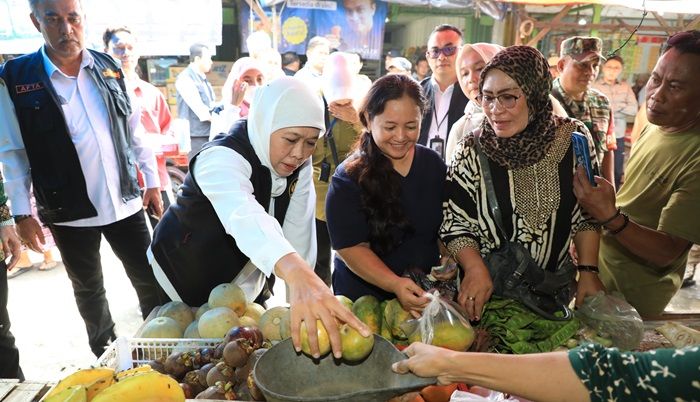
122, 44
11, 247
446, 101
195, 96
77, 145
317, 51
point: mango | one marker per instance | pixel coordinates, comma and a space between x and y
324, 342
368, 309
355, 346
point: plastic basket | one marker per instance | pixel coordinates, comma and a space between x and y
125, 353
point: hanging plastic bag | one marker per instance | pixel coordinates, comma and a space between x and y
441, 324
612, 317
478, 394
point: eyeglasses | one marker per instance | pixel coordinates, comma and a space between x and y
447, 51
505, 100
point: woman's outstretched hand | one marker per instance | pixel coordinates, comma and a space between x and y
310, 300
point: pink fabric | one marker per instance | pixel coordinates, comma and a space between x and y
155, 118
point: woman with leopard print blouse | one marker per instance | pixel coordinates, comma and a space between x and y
529, 152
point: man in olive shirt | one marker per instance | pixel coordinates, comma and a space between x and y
644, 250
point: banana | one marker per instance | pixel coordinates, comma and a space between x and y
75, 393
150, 386
83, 377
137, 370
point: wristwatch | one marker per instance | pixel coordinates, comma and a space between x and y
20, 218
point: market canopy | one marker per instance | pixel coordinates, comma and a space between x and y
664, 6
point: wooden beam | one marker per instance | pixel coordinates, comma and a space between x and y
663, 23
260, 13
625, 25
606, 27
560, 15
693, 24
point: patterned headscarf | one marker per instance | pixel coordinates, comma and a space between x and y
528, 67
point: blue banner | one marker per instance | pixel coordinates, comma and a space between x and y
351, 25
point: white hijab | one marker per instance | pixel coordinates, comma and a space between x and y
284, 102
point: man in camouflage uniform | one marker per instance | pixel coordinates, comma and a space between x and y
580, 59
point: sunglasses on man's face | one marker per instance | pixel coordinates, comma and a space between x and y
447, 51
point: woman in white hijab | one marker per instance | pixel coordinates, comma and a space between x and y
246, 75
471, 59
246, 212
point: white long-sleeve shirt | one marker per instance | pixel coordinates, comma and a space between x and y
90, 132
188, 90
223, 175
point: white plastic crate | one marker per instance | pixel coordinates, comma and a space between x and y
125, 353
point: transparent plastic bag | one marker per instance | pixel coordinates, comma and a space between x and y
478, 394
441, 324
612, 317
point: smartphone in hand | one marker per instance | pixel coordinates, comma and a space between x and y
582, 154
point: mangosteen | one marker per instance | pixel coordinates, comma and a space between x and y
158, 365
220, 391
212, 392
192, 379
236, 353
221, 372
177, 365
187, 389
250, 334
202, 373
219, 351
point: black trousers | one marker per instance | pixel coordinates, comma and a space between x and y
80, 250
323, 253
9, 355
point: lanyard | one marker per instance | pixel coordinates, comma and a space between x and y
442, 121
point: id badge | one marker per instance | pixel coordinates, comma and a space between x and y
437, 144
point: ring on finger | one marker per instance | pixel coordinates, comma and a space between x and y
471, 298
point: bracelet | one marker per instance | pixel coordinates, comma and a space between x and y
605, 222
588, 268
621, 228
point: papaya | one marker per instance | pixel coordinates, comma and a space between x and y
367, 309
395, 315
385, 330
345, 301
